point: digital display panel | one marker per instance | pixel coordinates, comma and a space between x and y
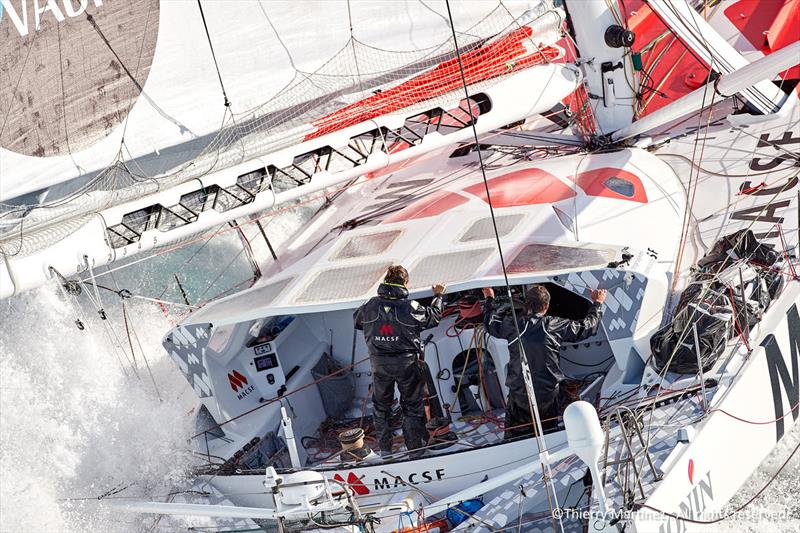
261, 349
265, 362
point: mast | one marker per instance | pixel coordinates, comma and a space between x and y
596, 30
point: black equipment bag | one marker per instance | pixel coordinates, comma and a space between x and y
740, 245
674, 346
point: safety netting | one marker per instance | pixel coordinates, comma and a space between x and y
360, 81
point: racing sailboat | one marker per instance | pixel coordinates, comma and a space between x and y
647, 152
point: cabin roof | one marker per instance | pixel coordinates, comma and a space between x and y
549, 220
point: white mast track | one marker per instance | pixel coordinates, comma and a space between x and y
530, 92
725, 86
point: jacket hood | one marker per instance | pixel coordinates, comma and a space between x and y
392, 291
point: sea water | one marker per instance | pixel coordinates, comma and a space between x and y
79, 418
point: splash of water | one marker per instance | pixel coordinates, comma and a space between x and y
75, 423
76, 420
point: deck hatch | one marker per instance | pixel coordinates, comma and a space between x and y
482, 229
342, 283
366, 245
548, 257
448, 267
223, 310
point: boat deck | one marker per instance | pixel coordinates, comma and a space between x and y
473, 431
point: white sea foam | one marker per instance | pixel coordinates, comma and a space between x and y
74, 420
73, 425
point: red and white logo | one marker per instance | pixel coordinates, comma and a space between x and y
354, 482
386, 329
237, 381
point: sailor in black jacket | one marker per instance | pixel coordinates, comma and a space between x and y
392, 325
542, 336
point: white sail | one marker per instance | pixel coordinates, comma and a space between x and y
165, 48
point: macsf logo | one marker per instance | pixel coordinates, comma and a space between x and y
386, 334
237, 381
354, 482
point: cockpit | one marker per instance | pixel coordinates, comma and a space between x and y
293, 390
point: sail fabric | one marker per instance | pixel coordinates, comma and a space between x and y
79, 78
276, 68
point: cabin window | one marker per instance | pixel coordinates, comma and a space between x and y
221, 337
620, 186
267, 329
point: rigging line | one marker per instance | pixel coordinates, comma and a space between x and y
214, 56
221, 272
278, 36
689, 49
305, 75
735, 511
725, 174
128, 331
687, 215
160, 111
138, 65
136, 336
532, 404
353, 47
194, 254
775, 145
392, 205
431, 498
64, 101
19, 80
429, 8
663, 372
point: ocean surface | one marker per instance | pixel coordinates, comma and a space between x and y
80, 417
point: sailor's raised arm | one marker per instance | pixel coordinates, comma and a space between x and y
430, 316
496, 323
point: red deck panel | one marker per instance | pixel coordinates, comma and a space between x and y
429, 206
595, 183
523, 187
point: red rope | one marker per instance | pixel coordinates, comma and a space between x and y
758, 423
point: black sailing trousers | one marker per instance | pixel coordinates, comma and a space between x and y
518, 421
405, 371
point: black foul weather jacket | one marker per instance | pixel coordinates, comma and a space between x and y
392, 323
541, 338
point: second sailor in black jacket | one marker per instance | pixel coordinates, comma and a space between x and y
541, 337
